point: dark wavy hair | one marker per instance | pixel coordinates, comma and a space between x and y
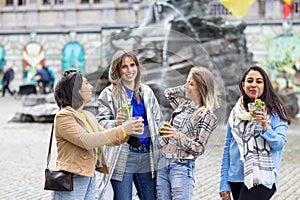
66, 91
274, 103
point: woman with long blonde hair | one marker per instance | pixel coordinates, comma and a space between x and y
185, 137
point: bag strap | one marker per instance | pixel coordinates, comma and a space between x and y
49, 149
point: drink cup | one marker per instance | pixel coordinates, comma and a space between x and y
127, 109
140, 118
162, 128
254, 107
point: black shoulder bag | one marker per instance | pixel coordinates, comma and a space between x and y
57, 180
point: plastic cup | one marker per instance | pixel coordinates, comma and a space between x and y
141, 130
253, 107
127, 109
162, 128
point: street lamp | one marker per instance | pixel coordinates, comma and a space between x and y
136, 6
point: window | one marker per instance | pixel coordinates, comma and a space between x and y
84, 1
21, 2
296, 7
97, 1
59, 1
46, 2
9, 2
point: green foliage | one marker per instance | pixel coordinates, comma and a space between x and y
286, 62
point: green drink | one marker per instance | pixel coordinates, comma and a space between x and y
256, 106
127, 109
162, 128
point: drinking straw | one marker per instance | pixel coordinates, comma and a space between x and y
256, 94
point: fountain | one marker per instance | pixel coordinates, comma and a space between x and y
177, 35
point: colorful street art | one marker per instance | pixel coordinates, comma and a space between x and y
2, 63
73, 57
284, 58
33, 55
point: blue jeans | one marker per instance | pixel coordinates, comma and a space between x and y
175, 179
84, 188
137, 170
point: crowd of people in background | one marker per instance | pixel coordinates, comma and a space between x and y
43, 81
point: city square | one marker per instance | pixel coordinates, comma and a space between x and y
24, 149
169, 37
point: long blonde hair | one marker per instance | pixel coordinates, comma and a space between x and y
206, 86
116, 79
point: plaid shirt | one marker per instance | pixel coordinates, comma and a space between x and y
194, 129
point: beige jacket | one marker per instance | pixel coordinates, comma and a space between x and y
76, 146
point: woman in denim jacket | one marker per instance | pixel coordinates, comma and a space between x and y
185, 137
136, 160
251, 158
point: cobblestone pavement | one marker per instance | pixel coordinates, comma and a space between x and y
24, 149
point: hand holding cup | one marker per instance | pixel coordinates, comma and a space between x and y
120, 118
168, 131
134, 126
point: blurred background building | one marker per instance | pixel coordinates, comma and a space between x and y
63, 34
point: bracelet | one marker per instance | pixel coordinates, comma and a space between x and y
124, 132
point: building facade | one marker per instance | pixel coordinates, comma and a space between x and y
45, 31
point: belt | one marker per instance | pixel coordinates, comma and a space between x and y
169, 155
142, 148
174, 155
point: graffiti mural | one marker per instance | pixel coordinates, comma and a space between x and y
73, 57
283, 56
2, 63
33, 55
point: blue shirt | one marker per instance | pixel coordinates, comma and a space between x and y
232, 168
139, 110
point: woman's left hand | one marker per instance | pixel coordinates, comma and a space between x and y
169, 131
261, 116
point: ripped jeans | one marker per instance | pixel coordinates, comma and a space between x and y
175, 179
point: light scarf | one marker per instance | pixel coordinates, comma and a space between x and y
254, 149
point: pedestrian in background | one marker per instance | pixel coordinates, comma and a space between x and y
79, 137
251, 158
8, 77
185, 137
42, 77
136, 160
52, 77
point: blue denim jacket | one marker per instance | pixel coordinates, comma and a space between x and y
232, 168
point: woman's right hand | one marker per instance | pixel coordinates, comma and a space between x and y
134, 127
120, 118
225, 195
